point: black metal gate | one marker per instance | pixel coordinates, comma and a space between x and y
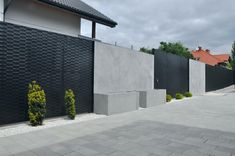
218, 78
57, 62
171, 72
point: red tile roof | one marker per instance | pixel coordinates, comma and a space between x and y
207, 58
222, 57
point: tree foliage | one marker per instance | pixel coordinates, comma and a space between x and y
229, 65
175, 48
233, 51
147, 50
232, 61
36, 103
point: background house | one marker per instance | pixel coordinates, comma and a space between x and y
206, 57
59, 16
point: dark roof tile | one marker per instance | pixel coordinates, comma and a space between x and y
83, 10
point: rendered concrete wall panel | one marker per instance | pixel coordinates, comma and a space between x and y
1, 10
121, 70
152, 98
116, 103
197, 77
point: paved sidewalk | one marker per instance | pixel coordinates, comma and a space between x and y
195, 127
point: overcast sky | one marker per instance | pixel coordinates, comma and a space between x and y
208, 23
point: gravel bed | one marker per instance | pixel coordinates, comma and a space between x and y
22, 128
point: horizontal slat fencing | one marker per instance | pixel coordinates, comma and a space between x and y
171, 72
218, 78
57, 62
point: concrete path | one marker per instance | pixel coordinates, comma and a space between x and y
193, 127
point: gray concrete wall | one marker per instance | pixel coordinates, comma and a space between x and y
116, 103
152, 98
1, 10
38, 15
197, 77
120, 70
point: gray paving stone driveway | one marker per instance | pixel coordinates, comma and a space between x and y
145, 138
201, 126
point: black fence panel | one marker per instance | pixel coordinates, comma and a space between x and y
56, 62
218, 78
171, 72
78, 69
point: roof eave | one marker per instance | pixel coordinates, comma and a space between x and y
84, 15
98, 20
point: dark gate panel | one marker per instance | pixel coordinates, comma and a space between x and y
57, 62
160, 74
171, 73
218, 78
78, 72
1, 58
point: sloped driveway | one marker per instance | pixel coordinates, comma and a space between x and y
193, 127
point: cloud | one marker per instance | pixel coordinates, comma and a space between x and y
209, 23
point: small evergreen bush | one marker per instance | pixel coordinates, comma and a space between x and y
168, 98
179, 96
70, 104
36, 103
188, 94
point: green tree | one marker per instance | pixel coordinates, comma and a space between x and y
147, 50
229, 65
175, 48
232, 61
233, 51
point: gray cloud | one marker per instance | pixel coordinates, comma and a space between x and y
209, 23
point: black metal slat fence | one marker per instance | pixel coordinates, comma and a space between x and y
218, 77
57, 62
171, 73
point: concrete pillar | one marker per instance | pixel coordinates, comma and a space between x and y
1, 10
197, 77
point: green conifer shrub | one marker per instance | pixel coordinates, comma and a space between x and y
168, 98
36, 104
188, 94
179, 96
70, 104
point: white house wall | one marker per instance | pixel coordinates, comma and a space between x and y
37, 15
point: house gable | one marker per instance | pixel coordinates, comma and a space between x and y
60, 16
84, 10
38, 15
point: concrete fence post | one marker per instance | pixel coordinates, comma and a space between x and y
197, 77
1, 10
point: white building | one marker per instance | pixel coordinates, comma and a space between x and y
59, 16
